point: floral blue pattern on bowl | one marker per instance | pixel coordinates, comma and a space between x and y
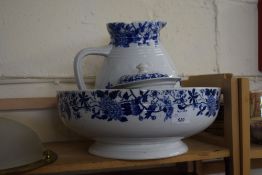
138, 77
120, 105
141, 33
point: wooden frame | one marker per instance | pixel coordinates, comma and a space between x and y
260, 35
251, 154
73, 157
244, 125
28, 103
229, 87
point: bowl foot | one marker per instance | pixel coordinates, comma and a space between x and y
138, 149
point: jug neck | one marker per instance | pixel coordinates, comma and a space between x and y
135, 33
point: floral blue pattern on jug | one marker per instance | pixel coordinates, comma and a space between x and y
119, 105
141, 33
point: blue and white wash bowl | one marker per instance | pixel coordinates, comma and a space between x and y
138, 124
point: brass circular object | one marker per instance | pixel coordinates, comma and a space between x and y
48, 157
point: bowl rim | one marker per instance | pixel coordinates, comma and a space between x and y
138, 89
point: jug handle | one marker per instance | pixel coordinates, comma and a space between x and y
104, 51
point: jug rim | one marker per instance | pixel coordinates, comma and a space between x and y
138, 21
141, 33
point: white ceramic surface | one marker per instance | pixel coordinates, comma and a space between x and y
138, 148
19, 146
132, 45
136, 123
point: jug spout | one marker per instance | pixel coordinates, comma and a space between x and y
137, 33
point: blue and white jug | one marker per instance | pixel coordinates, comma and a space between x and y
134, 53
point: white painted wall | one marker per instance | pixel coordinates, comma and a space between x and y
39, 39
